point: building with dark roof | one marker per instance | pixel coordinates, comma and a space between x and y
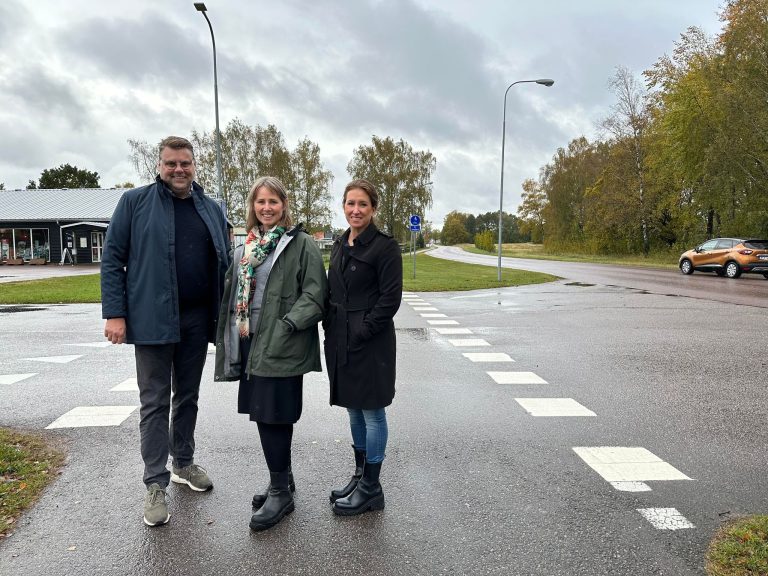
66, 225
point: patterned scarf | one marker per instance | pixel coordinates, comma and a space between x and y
257, 247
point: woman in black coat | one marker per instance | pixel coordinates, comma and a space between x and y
366, 286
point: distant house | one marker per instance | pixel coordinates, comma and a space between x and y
324, 240
54, 225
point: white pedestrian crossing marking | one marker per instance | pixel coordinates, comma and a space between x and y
418, 302
93, 344
628, 464
432, 315
631, 486
553, 407
13, 378
469, 342
665, 518
516, 378
488, 356
447, 331
425, 309
127, 385
56, 359
84, 416
442, 322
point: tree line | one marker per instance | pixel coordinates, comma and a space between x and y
460, 228
683, 156
402, 175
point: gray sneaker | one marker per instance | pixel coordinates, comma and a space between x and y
193, 476
155, 506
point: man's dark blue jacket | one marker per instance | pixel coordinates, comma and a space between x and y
138, 267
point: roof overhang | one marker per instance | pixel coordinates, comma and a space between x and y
94, 224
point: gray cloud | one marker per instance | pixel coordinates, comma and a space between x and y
150, 49
37, 91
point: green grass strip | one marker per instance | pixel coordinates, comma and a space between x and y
60, 290
740, 548
536, 252
28, 463
439, 275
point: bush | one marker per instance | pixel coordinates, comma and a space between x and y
485, 241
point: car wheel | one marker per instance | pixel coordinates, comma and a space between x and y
732, 269
686, 267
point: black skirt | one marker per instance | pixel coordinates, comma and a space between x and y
272, 400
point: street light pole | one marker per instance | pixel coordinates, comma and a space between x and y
544, 82
200, 6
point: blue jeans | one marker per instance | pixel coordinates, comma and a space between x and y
369, 432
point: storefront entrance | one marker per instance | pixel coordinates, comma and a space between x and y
97, 246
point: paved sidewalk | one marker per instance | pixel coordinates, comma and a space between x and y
52, 270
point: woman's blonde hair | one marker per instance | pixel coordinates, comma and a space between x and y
273, 185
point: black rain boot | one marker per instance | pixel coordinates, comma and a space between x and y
261, 497
349, 488
367, 496
279, 502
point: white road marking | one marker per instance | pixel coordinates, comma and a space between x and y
424, 309
553, 407
628, 464
409, 293
56, 359
83, 416
516, 378
447, 331
442, 322
417, 303
13, 378
631, 486
431, 315
488, 356
665, 518
94, 344
469, 342
127, 385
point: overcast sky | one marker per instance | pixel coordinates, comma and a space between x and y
78, 78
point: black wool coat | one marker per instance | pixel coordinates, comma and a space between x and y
366, 288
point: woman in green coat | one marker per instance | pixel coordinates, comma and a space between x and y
267, 337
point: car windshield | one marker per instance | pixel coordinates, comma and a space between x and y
757, 244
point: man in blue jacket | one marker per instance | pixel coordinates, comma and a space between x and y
162, 275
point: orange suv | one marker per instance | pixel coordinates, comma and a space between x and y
727, 257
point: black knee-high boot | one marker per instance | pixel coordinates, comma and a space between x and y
261, 497
279, 502
368, 494
352, 484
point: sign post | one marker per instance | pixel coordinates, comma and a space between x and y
415, 227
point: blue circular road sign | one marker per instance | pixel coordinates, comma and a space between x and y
415, 220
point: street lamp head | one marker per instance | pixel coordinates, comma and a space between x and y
200, 6
545, 81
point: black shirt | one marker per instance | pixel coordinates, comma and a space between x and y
194, 255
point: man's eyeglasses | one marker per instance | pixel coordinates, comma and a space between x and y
171, 165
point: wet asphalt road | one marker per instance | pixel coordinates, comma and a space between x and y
474, 484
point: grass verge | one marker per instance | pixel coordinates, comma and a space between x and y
438, 275
61, 290
432, 275
536, 251
28, 463
740, 548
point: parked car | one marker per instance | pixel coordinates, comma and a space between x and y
728, 257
